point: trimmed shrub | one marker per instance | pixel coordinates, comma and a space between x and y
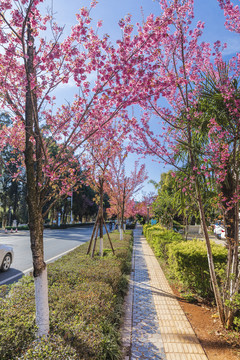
66, 226
17, 319
145, 227
149, 229
187, 260
21, 227
51, 348
189, 264
158, 237
161, 238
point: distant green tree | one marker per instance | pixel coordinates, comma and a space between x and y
166, 205
12, 190
83, 202
176, 201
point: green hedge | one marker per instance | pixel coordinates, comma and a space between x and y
158, 237
23, 227
65, 226
149, 229
85, 299
145, 227
131, 226
161, 238
189, 264
187, 260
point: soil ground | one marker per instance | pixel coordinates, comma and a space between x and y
218, 343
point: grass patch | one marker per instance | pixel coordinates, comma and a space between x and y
85, 299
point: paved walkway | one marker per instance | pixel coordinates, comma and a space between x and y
155, 326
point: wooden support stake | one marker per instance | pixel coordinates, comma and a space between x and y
109, 237
92, 236
94, 245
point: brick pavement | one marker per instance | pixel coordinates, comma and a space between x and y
155, 326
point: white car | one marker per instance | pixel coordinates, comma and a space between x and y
223, 234
6, 257
219, 230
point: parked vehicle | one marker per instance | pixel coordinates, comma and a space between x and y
223, 234
6, 257
219, 230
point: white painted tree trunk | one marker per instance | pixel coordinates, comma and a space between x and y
125, 226
121, 233
41, 300
101, 247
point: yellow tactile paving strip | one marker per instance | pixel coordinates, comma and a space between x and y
178, 337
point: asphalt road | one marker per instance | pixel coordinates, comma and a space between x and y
56, 244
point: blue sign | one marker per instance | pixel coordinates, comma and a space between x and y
153, 222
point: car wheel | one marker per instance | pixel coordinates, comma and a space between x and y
6, 262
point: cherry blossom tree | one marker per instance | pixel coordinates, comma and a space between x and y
232, 14
31, 68
184, 64
130, 209
144, 207
219, 103
121, 188
100, 152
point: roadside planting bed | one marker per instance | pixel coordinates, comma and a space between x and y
85, 298
185, 266
186, 260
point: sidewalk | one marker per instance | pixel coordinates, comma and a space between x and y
155, 326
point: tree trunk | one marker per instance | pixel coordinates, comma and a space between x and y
121, 232
33, 161
231, 217
215, 286
36, 238
101, 218
41, 298
213, 277
122, 213
186, 227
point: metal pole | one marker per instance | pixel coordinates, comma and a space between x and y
71, 221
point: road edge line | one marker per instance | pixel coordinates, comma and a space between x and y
25, 272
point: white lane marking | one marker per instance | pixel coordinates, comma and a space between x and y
31, 269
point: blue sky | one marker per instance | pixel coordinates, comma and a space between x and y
111, 11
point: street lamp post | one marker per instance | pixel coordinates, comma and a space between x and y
59, 219
71, 212
148, 214
71, 209
10, 216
